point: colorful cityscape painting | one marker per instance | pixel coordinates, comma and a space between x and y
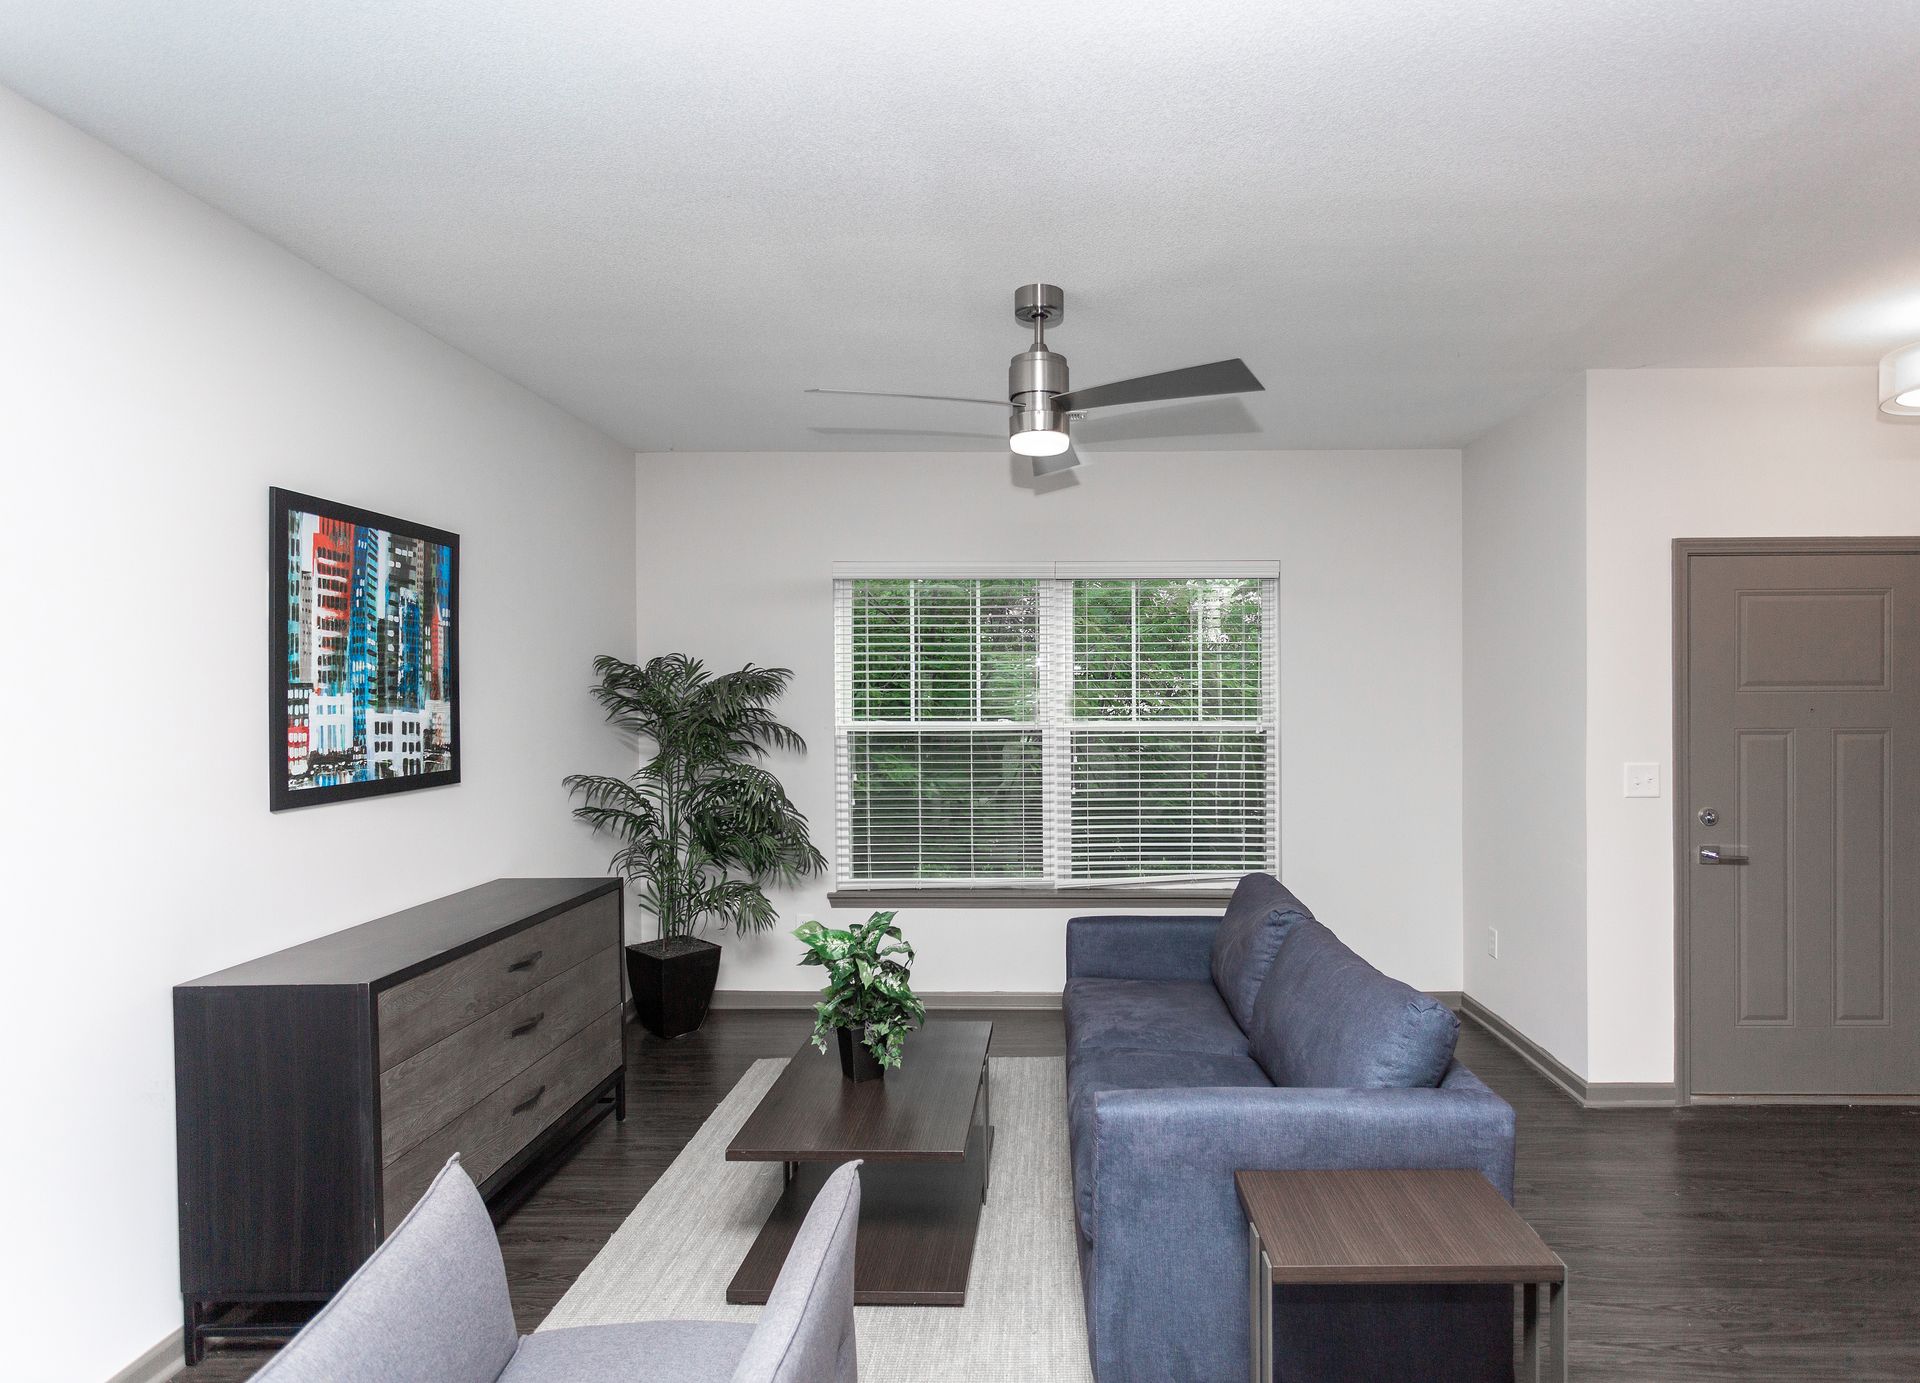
365, 683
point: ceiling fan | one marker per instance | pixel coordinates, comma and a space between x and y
1041, 404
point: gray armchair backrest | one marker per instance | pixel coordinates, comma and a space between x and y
805, 1334
430, 1305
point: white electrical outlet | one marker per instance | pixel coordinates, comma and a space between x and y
1493, 943
1643, 780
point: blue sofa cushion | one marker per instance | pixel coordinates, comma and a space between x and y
1258, 919
1091, 1073
1149, 1015
1327, 1020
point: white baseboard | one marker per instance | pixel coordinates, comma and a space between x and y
1587, 1094
157, 1365
806, 998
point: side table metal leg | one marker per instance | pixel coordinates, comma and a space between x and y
986, 1118
1266, 1317
1254, 1350
1530, 1332
1557, 1308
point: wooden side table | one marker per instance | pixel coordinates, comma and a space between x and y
1430, 1228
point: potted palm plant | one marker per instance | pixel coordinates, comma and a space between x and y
704, 827
867, 1002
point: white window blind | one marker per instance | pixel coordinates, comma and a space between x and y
1073, 730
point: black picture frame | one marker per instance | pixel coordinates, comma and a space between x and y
282, 689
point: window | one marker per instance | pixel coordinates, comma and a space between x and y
1055, 728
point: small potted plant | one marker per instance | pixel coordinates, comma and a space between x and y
704, 826
867, 1001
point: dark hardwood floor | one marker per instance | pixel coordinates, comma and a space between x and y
1761, 1244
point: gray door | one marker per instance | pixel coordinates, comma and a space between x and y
1803, 747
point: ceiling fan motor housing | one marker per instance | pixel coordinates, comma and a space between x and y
1034, 378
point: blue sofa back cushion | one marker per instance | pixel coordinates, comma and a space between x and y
1257, 921
1326, 1019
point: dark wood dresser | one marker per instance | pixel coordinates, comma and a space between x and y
319, 1089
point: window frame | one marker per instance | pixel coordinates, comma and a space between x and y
1056, 728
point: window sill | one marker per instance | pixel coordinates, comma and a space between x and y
1107, 899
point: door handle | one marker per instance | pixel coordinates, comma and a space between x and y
1722, 854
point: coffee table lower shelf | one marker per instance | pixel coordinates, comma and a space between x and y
918, 1223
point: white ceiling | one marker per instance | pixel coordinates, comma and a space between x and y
1410, 219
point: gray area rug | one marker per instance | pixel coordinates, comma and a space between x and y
677, 1251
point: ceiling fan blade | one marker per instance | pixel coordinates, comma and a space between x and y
1044, 466
937, 398
1196, 381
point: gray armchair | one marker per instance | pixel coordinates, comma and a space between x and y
430, 1306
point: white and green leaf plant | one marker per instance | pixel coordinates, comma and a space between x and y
867, 988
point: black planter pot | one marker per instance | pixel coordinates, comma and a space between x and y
857, 1061
672, 983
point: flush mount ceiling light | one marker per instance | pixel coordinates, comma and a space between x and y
1900, 382
1040, 403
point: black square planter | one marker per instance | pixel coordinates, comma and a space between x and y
857, 1061
672, 983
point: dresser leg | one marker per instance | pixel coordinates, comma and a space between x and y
620, 1097
190, 1333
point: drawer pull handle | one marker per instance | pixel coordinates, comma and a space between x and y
526, 962
527, 1026
530, 1101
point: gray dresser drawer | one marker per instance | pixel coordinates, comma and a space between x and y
504, 1122
432, 1088
421, 1011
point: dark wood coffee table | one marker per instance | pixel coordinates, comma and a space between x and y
925, 1133
1406, 1227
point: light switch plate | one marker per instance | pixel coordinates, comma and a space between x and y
1643, 780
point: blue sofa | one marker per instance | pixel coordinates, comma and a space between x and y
1197, 1046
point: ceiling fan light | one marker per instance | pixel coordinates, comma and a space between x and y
1041, 442
1038, 432
1900, 382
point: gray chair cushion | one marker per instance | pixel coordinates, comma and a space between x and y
1149, 1015
805, 1333
429, 1306
1328, 1020
1257, 920
643, 1352
1094, 1072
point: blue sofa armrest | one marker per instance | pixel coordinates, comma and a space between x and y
1168, 1296
1140, 948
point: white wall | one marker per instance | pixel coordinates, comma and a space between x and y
160, 367
1525, 506
1697, 454
735, 561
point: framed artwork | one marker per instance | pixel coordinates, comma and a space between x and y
364, 677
